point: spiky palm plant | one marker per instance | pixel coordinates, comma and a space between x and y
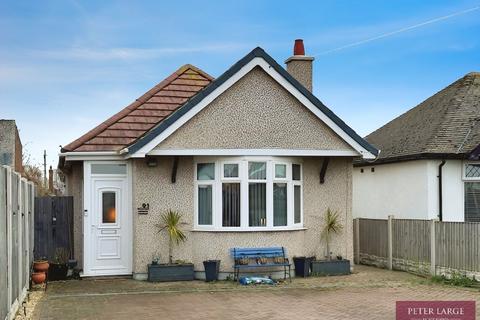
332, 226
171, 221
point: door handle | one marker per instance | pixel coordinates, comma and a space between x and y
85, 212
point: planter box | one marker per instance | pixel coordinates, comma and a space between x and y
170, 272
330, 267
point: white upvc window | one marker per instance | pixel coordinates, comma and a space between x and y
471, 177
248, 194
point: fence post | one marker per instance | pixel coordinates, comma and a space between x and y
390, 241
356, 224
432, 247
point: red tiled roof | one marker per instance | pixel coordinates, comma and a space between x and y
127, 126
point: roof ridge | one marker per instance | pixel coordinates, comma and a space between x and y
131, 107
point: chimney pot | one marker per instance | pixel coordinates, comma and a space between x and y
298, 48
300, 66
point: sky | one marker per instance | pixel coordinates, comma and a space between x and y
66, 66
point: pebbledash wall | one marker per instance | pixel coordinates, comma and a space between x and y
408, 190
152, 185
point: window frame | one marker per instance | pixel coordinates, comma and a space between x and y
244, 180
464, 171
466, 180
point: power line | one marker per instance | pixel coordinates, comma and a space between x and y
388, 34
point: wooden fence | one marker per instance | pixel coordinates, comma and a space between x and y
425, 246
53, 226
16, 239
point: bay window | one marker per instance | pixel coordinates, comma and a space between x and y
248, 193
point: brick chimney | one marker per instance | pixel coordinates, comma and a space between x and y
300, 66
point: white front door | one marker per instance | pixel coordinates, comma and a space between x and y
107, 219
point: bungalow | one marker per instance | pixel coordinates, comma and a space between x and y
250, 159
429, 165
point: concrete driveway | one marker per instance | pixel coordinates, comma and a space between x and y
370, 293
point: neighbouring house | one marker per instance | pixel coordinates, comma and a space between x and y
429, 166
250, 159
10, 145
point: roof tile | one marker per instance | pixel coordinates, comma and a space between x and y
446, 123
150, 109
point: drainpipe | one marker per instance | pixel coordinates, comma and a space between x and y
440, 200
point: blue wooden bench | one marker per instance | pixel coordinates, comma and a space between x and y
247, 258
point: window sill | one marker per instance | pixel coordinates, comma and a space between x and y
283, 229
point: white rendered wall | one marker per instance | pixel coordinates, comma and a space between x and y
408, 190
453, 192
399, 188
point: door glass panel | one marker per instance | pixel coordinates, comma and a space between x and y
109, 168
109, 211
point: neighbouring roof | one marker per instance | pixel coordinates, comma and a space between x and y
159, 108
446, 125
128, 125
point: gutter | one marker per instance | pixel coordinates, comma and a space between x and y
440, 197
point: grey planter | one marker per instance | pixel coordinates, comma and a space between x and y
330, 267
170, 272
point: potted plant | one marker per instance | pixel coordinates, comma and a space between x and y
212, 268
170, 223
38, 277
340, 266
58, 269
40, 265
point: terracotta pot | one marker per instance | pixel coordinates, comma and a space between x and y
38, 277
40, 265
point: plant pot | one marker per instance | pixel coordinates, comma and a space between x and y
212, 268
38, 277
40, 265
330, 267
302, 266
170, 272
57, 271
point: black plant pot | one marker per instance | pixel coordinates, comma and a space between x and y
302, 266
212, 268
57, 271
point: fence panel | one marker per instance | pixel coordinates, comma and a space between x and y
458, 245
3, 244
373, 237
411, 239
15, 232
15, 236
